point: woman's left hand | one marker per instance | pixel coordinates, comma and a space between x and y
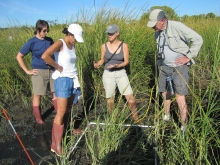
113, 66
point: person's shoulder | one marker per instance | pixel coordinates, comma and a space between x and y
174, 23
28, 46
59, 43
105, 44
33, 39
125, 45
48, 39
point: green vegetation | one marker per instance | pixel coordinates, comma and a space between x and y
198, 145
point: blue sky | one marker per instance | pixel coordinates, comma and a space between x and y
27, 12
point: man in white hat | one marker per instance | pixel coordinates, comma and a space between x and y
173, 58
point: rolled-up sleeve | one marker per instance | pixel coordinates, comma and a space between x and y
193, 39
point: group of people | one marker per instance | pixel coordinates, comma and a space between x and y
54, 64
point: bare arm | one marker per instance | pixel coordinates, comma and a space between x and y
102, 60
20, 60
49, 52
126, 55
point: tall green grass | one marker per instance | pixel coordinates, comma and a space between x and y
165, 142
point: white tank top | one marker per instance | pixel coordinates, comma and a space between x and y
67, 59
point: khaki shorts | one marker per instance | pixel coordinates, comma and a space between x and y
112, 78
41, 81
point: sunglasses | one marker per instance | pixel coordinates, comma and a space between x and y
46, 31
111, 34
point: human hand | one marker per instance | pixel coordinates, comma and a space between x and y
96, 65
182, 60
60, 68
112, 66
32, 72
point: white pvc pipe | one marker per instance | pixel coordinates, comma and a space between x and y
126, 125
94, 123
78, 140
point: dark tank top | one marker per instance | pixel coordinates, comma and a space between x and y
115, 59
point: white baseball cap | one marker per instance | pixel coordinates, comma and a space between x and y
155, 16
77, 31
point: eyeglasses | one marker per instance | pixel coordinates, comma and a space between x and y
111, 34
46, 31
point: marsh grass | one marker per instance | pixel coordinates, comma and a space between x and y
114, 143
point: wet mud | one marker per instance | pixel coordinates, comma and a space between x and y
37, 139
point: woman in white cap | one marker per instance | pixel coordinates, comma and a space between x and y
65, 79
116, 54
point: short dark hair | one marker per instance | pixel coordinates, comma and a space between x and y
40, 24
